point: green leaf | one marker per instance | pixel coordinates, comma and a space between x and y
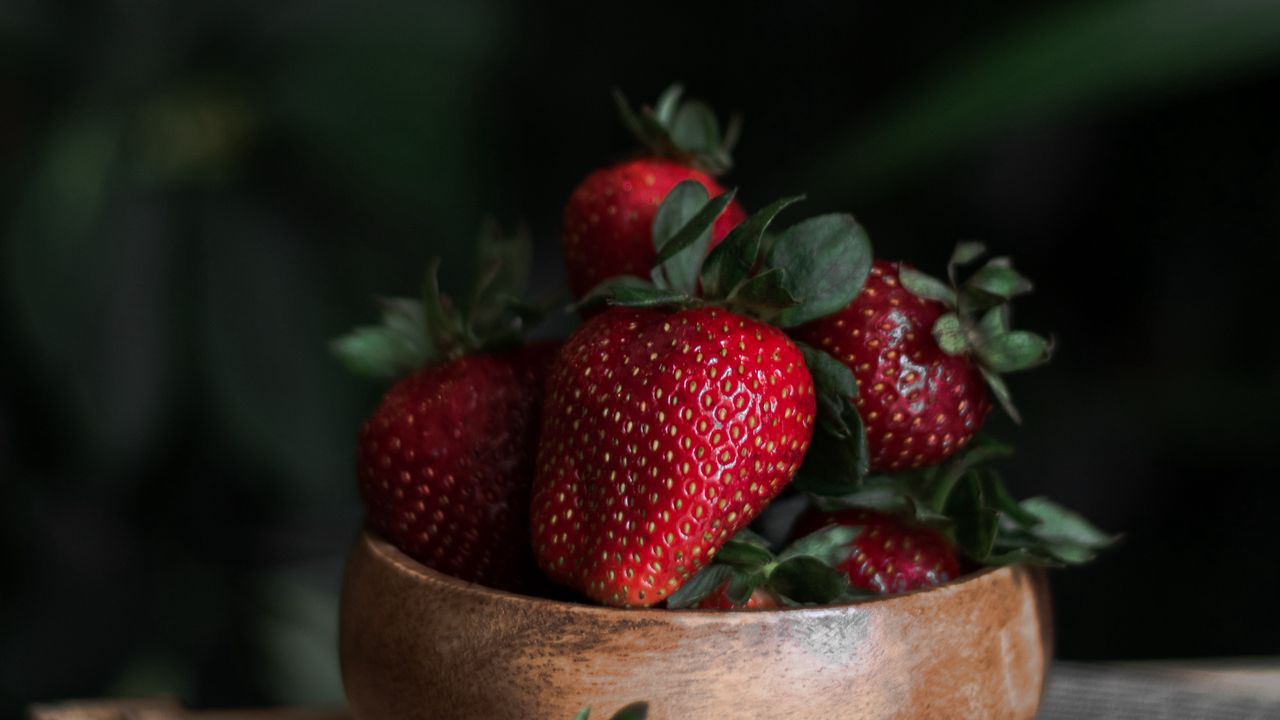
503, 264
637, 296
583, 714
1014, 350
827, 259
664, 110
390, 350
735, 257
634, 711
981, 450
680, 206
838, 458
1061, 525
608, 288
694, 128
830, 545
1001, 391
700, 585
993, 322
743, 583
806, 579
948, 330
750, 537
880, 492
999, 279
629, 119
680, 255
976, 522
743, 554
443, 326
998, 495
830, 376
965, 252
765, 294
926, 286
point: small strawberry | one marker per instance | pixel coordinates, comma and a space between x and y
671, 423
923, 355
608, 221
445, 462
609, 218
889, 555
760, 599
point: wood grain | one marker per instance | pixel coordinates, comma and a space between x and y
416, 644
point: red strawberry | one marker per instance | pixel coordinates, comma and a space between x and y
445, 463
890, 556
918, 404
609, 219
664, 433
761, 599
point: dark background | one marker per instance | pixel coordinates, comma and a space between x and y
195, 196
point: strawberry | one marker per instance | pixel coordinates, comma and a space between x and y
889, 555
445, 463
609, 218
446, 460
664, 433
760, 599
608, 221
670, 422
922, 360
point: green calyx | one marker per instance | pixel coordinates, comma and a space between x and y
809, 270
416, 333
966, 500
978, 323
683, 130
804, 573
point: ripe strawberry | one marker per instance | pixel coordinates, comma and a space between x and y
761, 599
918, 403
445, 463
446, 460
889, 556
608, 221
664, 433
922, 366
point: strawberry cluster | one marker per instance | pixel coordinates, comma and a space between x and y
728, 376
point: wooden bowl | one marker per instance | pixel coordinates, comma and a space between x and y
419, 645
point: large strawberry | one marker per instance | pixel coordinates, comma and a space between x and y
608, 219
889, 554
670, 424
445, 462
923, 354
664, 434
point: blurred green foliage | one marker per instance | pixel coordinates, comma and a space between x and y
198, 195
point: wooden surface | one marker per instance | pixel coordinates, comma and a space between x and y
417, 645
1197, 689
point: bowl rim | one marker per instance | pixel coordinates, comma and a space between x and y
382, 550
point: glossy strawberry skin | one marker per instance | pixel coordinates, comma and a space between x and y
664, 433
761, 599
445, 464
889, 556
608, 221
919, 405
